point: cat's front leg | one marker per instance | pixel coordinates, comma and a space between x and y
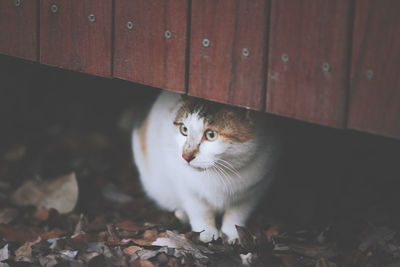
201, 218
236, 215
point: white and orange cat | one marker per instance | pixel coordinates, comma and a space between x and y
202, 159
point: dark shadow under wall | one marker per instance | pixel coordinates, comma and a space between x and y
33, 95
327, 174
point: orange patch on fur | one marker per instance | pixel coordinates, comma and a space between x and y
240, 139
231, 129
231, 123
142, 137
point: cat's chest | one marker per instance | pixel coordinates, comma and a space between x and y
217, 191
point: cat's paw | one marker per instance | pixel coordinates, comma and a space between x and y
209, 235
182, 216
231, 240
230, 234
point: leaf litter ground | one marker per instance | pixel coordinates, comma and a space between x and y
70, 195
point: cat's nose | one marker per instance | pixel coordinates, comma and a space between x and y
188, 157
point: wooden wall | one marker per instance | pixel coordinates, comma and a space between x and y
309, 60
18, 28
151, 42
333, 62
228, 51
76, 35
375, 76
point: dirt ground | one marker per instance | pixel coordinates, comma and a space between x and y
70, 196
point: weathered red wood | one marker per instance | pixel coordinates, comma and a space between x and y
375, 79
232, 68
151, 42
68, 38
308, 60
18, 28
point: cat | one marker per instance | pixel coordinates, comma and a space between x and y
202, 159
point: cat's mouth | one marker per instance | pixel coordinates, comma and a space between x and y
198, 167
198, 164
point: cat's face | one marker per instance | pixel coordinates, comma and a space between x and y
210, 134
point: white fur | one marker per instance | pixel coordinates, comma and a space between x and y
196, 191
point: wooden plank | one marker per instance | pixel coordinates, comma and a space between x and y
375, 78
18, 28
151, 42
231, 68
76, 35
308, 60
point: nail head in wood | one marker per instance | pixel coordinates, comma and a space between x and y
168, 34
326, 67
285, 58
206, 42
369, 74
245, 52
17, 3
54, 8
92, 18
129, 25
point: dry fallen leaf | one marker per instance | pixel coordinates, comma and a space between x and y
246, 239
4, 254
356, 258
180, 242
49, 260
322, 262
79, 227
272, 232
396, 264
41, 215
130, 226
53, 234
112, 237
141, 263
60, 194
7, 215
20, 234
148, 237
131, 250
146, 254
288, 260
91, 237
313, 251
24, 252
373, 234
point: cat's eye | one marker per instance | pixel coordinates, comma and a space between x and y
211, 135
183, 129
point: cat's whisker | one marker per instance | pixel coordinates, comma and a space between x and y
226, 162
230, 165
228, 179
216, 171
234, 172
224, 178
229, 168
